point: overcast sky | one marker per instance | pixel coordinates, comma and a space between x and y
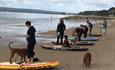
74, 6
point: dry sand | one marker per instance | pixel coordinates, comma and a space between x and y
103, 53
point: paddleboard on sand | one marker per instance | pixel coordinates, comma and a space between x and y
33, 66
59, 47
89, 39
54, 42
82, 43
95, 35
72, 38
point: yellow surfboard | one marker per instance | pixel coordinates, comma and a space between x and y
33, 66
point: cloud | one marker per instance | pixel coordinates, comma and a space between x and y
63, 1
99, 4
60, 5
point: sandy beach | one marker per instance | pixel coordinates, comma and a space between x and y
103, 52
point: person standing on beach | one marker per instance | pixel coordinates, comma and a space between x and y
104, 26
31, 41
90, 27
60, 31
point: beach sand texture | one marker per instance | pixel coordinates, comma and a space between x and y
103, 53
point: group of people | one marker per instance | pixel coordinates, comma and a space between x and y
83, 29
61, 27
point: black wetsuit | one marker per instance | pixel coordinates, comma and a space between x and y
85, 31
60, 32
79, 33
31, 42
90, 26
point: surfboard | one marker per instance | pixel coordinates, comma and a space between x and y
72, 38
53, 42
82, 43
61, 48
25, 66
89, 39
95, 35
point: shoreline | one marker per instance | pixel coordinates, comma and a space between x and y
103, 53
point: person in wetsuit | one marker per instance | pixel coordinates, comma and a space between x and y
60, 31
104, 26
90, 27
79, 32
85, 30
31, 41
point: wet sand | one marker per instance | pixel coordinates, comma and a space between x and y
103, 53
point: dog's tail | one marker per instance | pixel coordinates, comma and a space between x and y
10, 44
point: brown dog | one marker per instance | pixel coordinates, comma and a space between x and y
20, 51
87, 59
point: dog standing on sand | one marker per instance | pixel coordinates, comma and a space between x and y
20, 51
87, 59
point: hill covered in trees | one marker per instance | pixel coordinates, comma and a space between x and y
109, 12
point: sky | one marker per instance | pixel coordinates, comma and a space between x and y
72, 6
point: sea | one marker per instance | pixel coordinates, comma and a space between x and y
13, 24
